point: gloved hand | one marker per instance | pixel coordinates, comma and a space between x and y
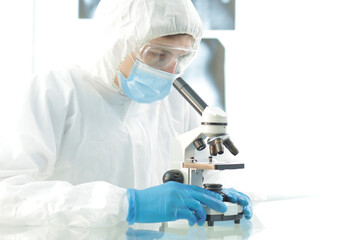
171, 201
241, 199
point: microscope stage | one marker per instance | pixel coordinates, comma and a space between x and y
213, 166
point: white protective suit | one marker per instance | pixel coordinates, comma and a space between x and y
80, 142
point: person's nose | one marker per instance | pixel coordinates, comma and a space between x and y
170, 68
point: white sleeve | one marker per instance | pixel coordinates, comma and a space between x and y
26, 197
25, 201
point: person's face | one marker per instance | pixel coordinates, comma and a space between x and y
185, 41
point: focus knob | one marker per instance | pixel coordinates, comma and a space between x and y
173, 175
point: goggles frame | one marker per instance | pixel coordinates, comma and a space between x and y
161, 55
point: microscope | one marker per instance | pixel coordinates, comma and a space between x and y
188, 170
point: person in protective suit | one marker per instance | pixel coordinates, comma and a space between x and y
92, 142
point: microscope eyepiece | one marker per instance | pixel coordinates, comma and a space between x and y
190, 95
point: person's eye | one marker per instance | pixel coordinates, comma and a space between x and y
157, 53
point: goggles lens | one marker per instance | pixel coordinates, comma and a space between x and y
166, 58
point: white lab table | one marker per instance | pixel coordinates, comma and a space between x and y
302, 218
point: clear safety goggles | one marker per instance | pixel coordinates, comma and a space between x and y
168, 58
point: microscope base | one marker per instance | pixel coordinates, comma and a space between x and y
234, 212
213, 218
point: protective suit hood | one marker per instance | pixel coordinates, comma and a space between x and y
124, 25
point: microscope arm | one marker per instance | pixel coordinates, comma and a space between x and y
180, 149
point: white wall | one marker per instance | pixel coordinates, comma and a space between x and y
57, 33
16, 53
293, 95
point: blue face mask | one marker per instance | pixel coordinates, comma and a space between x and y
146, 84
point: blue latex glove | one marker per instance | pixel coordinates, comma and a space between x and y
241, 199
171, 201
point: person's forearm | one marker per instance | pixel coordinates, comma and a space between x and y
24, 201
